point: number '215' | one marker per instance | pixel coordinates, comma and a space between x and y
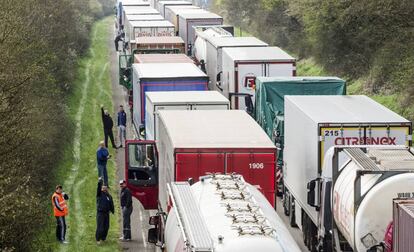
331, 133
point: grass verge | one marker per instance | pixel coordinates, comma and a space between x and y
77, 171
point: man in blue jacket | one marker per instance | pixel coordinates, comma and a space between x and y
122, 120
102, 156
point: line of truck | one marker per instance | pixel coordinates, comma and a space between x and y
338, 161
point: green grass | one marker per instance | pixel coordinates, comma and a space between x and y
240, 33
308, 67
78, 174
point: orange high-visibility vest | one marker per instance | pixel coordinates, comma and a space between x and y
62, 204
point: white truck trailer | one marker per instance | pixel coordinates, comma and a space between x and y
144, 17
221, 213
203, 33
156, 28
241, 66
187, 22
313, 176
188, 100
161, 5
215, 46
172, 12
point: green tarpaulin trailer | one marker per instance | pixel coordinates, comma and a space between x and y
269, 103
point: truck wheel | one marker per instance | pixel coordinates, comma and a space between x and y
286, 200
292, 220
305, 230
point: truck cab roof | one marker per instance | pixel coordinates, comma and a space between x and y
168, 70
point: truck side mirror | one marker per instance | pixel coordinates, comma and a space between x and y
154, 220
153, 235
218, 77
249, 104
313, 193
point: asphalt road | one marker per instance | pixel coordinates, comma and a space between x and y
140, 217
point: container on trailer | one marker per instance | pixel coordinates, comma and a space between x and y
164, 44
314, 124
120, 8
138, 29
215, 46
204, 216
241, 66
270, 100
141, 17
403, 225
137, 10
193, 143
162, 5
172, 12
157, 77
187, 21
162, 58
189, 100
203, 33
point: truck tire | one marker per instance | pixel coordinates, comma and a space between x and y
286, 200
292, 220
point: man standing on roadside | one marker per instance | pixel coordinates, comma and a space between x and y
108, 124
60, 210
102, 156
104, 205
126, 206
122, 120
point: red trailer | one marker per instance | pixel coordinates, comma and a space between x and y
194, 143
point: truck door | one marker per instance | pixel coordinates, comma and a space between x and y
362, 135
245, 82
194, 165
257, 169
141, 171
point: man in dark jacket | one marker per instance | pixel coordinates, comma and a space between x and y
108, 124
122, 120
104, 205
126, 206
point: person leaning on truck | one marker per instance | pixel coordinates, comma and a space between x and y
104, 205
60, 210
122, 120
119, 37
102, 156
108, 124
126, 206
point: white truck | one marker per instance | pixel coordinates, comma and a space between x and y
172, 12
203, 33
161, 5
187, 22
188, 100
157, 28
144, 17
361, 190
215, 46
221, 213
241, 66
137, 10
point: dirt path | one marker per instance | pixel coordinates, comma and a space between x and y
139, 218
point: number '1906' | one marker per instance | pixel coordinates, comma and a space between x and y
256, 166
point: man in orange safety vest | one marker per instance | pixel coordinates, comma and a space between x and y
60, 210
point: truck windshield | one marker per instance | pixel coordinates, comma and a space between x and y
141, 156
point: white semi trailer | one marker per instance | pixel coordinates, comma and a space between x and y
340, 198
221, 213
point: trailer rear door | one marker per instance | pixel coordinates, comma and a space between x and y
362, 135
194, 165
257, 169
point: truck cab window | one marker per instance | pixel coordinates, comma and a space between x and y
142, 164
